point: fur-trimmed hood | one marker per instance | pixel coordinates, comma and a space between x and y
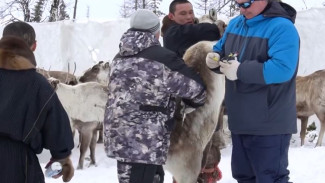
15, 54
134, 41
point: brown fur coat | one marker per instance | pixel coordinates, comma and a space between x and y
15, 54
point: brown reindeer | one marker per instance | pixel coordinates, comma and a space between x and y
191, 136
310, 91
62, 76
88, 138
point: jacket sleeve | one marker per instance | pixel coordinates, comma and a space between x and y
57, 133
283, 57
200, 32
182, 81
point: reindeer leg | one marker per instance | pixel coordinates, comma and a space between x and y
321, 118
304, 122
189, 166
92, 146
86, 136
100, 136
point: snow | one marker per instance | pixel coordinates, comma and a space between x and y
86, 43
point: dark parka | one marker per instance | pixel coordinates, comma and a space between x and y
178, 38
31, 116
144, 79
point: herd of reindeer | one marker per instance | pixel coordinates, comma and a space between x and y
195, 144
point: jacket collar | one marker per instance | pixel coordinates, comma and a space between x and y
15, 54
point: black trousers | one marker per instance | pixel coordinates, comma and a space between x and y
142, 173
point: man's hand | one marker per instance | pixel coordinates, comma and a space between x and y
67, 169
229, 68
212, 60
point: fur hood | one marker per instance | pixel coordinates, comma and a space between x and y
280, 9
134, 41
15, 54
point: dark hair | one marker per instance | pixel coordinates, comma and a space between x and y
172, 6
22, 30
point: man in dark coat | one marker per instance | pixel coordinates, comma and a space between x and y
31, 117
180, 31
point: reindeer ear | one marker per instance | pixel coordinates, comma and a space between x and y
106, 65
53, 82
213, 14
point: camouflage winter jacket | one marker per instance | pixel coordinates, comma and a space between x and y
143, 80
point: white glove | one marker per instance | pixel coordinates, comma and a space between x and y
229, 68
212, 60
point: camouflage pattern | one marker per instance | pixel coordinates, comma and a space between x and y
131, 134
123, 172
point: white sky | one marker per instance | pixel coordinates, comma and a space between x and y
106, 9
109, 9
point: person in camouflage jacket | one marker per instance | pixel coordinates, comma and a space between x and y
144, 80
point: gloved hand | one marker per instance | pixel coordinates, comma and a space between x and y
67, 169
230, 68
212, 60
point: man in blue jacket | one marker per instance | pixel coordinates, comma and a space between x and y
261, 49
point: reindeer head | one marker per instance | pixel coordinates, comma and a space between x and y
98, 73
53, 82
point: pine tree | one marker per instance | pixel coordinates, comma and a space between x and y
130, 6
38, 11
63, 15
126, 8
206, 5
154, 6
54, 11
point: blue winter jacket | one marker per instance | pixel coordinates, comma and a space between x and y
262, 101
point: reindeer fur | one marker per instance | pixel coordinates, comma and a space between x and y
85, 105
191, 136
310, 93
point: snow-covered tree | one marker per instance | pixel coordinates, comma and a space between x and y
38, 11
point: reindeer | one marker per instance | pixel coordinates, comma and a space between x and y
310, 99
97, 73
63, 77
85, 105
191, 136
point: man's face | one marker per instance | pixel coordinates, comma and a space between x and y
183, 14
255, 8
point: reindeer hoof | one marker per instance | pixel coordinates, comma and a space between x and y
79, 167
100, 141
